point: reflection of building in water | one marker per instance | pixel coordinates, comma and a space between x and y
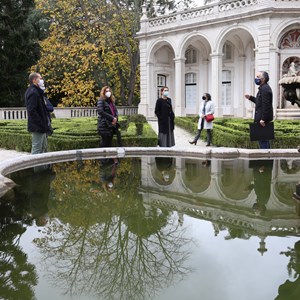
223, 193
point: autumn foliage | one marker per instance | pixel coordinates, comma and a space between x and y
90, 44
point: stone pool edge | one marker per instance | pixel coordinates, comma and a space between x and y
27, 161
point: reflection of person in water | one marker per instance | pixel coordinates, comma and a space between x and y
290, 290
108, 171
262, 173
206, 163
166, 165
38, 194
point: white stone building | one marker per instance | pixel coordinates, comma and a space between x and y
218, 48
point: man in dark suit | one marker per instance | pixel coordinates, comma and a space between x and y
263, 103
37, 114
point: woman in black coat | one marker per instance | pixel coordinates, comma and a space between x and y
107, 116
165, 115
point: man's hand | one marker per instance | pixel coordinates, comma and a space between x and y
262, 123
247, 96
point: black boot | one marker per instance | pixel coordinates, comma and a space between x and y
196, 138
208, 137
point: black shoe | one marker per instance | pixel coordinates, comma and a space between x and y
207, 145
193, 142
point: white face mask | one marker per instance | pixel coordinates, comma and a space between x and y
166, 93
108, 94
41, 84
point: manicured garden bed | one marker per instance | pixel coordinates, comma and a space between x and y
77, 133
81, 133
233, 132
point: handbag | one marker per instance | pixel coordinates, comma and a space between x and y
259, 133
209, 118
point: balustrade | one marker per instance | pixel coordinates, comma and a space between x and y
213, 9
20, 113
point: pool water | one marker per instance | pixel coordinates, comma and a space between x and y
152, 228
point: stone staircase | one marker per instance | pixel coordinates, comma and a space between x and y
288, 114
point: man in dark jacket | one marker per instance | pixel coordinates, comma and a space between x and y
263, 103
37, 114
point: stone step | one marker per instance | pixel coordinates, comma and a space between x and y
288, 114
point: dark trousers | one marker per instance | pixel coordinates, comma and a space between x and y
209, 134
106, 141
196, 138
119, 138
264, 144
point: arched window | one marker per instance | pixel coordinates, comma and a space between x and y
226, 88
161, 82
290, 40
190, 93
227, 51
191, 56
190, 78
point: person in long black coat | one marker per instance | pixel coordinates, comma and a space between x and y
37, 114
165, 115
262, 176
107, 116
263, 103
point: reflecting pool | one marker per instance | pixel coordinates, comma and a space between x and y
152, 228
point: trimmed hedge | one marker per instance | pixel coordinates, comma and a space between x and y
75, 133
234, 132
81, 133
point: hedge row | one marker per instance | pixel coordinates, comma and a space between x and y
229, 132
81, 133
77, 133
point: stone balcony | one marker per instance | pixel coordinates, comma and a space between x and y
213, 12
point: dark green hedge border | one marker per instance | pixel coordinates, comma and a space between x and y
233, 132
80, 133
77, 133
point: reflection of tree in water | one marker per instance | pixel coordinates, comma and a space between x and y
283, 189
233, 231
290, 166
114, 248
290, 290
110, 261
17, 276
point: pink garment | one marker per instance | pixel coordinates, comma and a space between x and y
112, 108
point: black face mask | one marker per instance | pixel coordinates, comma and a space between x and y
203, 98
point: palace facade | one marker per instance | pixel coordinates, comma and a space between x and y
218, 48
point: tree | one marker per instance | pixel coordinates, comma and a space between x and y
107, 244
91, 44
18, 48
18, 277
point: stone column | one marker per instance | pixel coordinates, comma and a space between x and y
143, 107
216, 82
267, 53
204, 78
262, 58
151, 90
240, 101
274, 77
179, 99
144, 75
